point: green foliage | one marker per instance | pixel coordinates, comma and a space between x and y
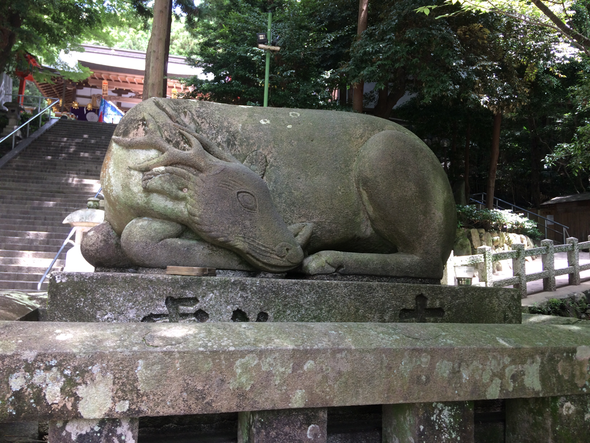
574, 154
566, 307
34, 125
568, 20
137, 37
313, 37
46, 27
497, 220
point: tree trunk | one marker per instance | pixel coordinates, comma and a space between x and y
536, 166
157, 55
466, 160
8, 37
358, 89
494, 160
168, 34
342, 96
381, 109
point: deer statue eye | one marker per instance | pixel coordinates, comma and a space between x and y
247, 200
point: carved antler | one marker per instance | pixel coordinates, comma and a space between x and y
202, 155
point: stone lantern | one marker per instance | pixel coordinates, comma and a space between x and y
82, 220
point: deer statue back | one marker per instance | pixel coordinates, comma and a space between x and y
232, 187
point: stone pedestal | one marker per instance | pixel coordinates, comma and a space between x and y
122, 297
293, 426
428, 422
558, 419
94, 431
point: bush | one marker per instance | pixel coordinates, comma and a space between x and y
568, 307
497, 220
34, 125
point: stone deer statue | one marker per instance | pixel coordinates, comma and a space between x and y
318, 192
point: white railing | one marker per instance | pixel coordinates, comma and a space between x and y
485, 258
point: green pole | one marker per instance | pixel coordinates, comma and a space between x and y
267, 71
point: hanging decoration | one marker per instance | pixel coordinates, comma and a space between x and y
105, 88
75, 105
89, 106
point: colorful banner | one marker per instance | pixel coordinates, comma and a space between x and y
109, 113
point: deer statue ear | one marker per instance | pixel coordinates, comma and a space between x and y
257, 162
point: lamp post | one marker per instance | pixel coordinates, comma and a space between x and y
267, 68
263, 44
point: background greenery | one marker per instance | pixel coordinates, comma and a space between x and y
446, 74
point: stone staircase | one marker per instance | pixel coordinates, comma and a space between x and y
51, 178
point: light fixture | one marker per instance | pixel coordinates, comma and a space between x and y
261, 38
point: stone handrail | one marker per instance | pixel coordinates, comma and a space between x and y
486, 258
98, 379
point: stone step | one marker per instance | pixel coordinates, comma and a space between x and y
46, 225
44, 190
21, 276
6, 241
48, 195
57, 179
9, 254
73, 165
25, 262
36, 201
22, 285
32, 235
53, 216
30, 223
12, 222
19, 247
83, 171
50, 179
30, 269
44, 206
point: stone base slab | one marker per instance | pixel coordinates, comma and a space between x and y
65, 371
120, 297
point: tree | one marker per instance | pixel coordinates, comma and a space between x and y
156, 56
359, 88
572, 156
314, 37
405, 52
156, 60
46, 27
137, 38
568, 19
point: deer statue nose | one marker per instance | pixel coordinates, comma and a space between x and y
291, 253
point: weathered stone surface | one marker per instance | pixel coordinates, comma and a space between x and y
119, 297
19, 432
18, 305
94, 431
563, 419
194, 183
428, 422
117, 370
291, 425
462, 244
